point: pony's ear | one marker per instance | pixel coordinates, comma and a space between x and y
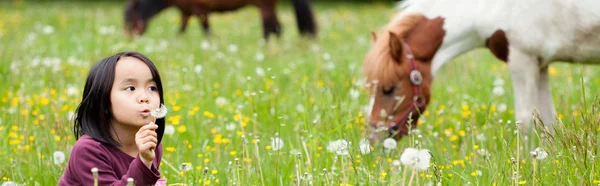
373, 35
395, 47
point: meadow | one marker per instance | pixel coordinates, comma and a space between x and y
288, 111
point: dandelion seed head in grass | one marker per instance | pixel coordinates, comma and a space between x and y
417, 159
354, 94
221, 101
169, 130
539, 153
498, 91
340, 147
276, 143
389, 143
10, 183
364, 146
185, 167
59, 157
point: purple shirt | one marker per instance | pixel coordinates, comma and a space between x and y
114, 166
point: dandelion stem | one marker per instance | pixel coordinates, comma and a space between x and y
95, 174
404, 176
262, 179
534, 169
516, 178
412, 176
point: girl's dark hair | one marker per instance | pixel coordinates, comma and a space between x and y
93, 114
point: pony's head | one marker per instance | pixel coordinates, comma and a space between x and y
398, 70
138, 14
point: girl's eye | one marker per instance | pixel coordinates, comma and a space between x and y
130, 88
389, 91
152, 88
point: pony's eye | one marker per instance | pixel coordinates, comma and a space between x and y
388, 91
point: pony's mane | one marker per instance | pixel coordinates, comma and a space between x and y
379, 64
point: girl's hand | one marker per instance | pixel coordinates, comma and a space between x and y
146, 141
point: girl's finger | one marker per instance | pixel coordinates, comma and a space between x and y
148, 133
149, 139
148, 146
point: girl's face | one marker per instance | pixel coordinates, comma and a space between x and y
133, 94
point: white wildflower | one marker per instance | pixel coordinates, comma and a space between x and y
185, 167
169, 130
417, 159
59, 157
315, 48
221, 101
48, 29
72, 90
354, 94
233, 48
326, 57
10, 183
389, 143
364, 146
340, 147
70, 115
230, 126
105, 30
205, 45
498, 91
276, 143
498, 81
260, 72
501, 107
330, 66
483, 152
539, 153
480, 137
198, 68
259, 56
396, 163
300, 108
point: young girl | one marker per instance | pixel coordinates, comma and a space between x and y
115, 130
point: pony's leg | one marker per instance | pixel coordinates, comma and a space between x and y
524, 71
545, 105
269, 17
203, 18
185, 18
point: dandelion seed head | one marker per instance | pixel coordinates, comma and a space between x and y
364, 146
390, 143
498, 91
276, 143
169, 130
159, 112
59, 157
417, 159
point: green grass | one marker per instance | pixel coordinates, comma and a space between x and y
302, 98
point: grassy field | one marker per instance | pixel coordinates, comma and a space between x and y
233, 96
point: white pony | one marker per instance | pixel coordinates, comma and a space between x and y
527, 34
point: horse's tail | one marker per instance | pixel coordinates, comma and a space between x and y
305, 17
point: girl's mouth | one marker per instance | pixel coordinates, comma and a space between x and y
145, 112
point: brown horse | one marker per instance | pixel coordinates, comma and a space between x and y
139, 12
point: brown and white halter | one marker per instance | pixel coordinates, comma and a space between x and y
419, 102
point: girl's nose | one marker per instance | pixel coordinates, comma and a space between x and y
144, 98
